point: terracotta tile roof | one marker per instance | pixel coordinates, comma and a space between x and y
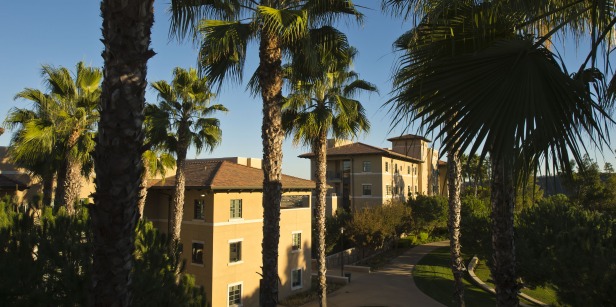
362, 149
408, 137
11, 182
225, 175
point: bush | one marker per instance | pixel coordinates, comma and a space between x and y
476, 238
429, 213
373, 227
571, 248
46, 260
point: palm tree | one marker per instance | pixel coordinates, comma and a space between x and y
56, 137
180, 121
32, 145
316, 108
277, 27
78, 97
126, 36
474, 77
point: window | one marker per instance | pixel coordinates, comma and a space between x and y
367, 166
396, 168
409, 188
366, 189
199, 209
197, 252
296, 243
296, 279
408, 170
235, 251
387, 190
416, 190
236, 209
414, 170
235, 295
386, 166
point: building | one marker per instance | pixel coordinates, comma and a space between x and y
362, 175
222, 228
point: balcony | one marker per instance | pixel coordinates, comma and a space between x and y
294, 201
332, 175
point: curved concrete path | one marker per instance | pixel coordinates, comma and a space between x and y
391, 286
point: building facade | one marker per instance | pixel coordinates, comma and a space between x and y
363, 176
222, 229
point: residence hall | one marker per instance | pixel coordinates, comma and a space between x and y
222, 228
362, 176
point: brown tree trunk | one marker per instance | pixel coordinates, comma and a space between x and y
72, 181
319, 148
503, 202
454, 177
177, 212
58, 200
118, 164
47, 183
143, 192
270, 79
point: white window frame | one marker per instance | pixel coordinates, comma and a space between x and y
301, 278
293, 249
241, 284
191, 252
363, 190
241, 203
240, 240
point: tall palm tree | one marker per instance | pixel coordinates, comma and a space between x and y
32, 144
126, 36
472, 75
180, 121
314, 109
56, 136
277, 27
78, 97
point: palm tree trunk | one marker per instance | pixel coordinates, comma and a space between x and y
143, 192
72, 181
503, 202
60, 187
320, 152
177, 213
270, 79
454, 171
47, 182
126, 36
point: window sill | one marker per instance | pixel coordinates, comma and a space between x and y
235, 263
295, 251
296, 287
197, 264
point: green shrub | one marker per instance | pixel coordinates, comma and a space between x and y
429, 213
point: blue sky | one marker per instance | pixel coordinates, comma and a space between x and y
64, 32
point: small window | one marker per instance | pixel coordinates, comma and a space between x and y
387, 190
235, 251
416, 189
414, 170
199, 204
409, 188
296, 279
396, 168
386, 166
367, 167
235, 295
296, 243
197, 252
408, 170
366, 189
236, 209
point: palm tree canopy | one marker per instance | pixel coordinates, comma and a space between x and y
227, 27
182, 111
467, 73
325, 101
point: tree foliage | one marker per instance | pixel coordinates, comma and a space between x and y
46, 260
571, 248
374, 227
429, 213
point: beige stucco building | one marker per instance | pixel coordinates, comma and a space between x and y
222, 228
361, 175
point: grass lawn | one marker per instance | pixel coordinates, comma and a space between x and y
546, 295
433, 276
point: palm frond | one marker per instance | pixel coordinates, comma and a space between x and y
186, 15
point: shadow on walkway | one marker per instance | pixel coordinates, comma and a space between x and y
391, 286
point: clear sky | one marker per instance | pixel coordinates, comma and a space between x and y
64, 32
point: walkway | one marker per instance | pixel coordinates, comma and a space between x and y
391, 286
